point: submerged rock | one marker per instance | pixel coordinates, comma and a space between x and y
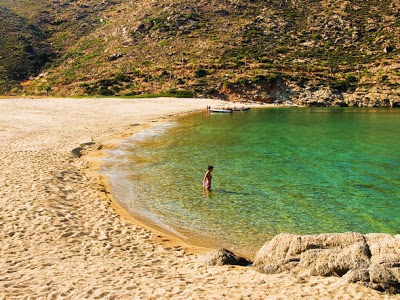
372, 259
222, 257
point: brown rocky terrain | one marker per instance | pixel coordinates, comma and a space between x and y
324, 53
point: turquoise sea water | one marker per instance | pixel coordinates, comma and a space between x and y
296, 170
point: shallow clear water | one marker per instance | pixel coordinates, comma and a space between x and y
297, 170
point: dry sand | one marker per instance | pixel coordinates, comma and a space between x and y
63, 238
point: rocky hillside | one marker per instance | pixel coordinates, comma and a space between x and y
311, 52
34, 35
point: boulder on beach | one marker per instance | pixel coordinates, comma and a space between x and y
222, 257
371, 259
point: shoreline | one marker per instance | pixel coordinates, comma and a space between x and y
63, 237
189, 240
95, 158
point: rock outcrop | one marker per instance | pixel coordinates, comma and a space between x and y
371, 259
324, 96
259, 89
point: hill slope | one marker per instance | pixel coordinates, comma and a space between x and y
311, 52
24, 50
33, 35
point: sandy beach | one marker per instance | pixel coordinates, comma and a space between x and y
64, 237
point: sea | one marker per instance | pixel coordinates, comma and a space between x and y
276, 170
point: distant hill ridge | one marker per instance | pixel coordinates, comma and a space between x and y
310, 52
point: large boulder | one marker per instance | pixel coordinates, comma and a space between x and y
372, 259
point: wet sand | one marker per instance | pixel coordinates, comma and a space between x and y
64, 237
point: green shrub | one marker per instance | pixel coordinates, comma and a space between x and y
105, 91
282, 50
116, 89
351, 78
28, 48
340, 85
272, 78
106, 82
122, 78
384, 78
69, 76
200, 72
47, 88
316, 36
344, 85
165, 74
88, 89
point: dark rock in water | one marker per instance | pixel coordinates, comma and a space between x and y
372, 260
222, 257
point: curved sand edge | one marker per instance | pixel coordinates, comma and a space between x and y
95, 158
61, 239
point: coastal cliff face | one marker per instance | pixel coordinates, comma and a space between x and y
280, 91
372, 259
324, 53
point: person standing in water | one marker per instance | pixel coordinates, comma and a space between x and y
207, 178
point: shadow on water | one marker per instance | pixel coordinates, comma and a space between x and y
221, 191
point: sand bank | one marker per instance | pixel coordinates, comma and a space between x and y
62, 237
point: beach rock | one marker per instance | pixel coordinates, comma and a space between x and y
385, 278
77, 152
372, 260
324, 254
222, 257
334, 261
383, 245
354, 276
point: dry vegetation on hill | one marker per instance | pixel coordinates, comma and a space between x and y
311, 52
